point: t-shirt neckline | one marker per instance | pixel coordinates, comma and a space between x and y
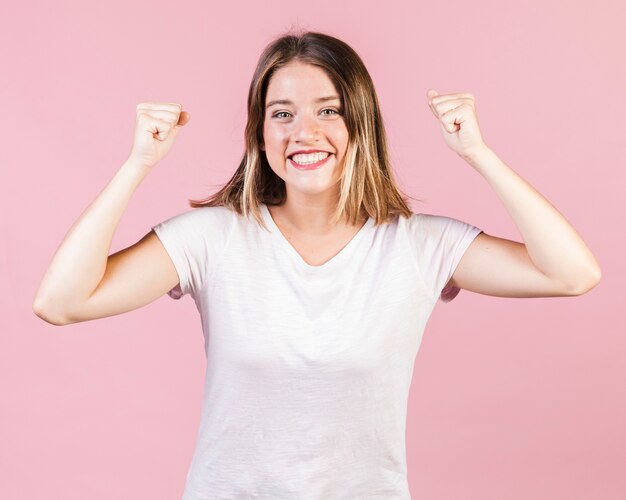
297, 258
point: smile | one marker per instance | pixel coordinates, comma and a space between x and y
309, 166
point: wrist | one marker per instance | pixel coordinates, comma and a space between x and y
477, 155
133, 171
136, 166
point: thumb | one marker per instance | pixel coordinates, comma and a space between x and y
183, 118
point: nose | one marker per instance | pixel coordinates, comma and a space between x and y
306, 129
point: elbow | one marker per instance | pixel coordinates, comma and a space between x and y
591, 279
46, 313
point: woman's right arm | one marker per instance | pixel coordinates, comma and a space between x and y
83, 281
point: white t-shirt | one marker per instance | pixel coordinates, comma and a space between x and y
308, 367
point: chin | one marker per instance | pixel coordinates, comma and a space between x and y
312, 189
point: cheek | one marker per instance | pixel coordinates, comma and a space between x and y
340, 135
274, 138
342, 146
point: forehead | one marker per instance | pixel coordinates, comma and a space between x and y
299, 80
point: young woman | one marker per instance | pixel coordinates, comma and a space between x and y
313, 278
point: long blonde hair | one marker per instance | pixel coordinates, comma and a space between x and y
367, 185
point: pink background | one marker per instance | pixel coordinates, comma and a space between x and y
511, 399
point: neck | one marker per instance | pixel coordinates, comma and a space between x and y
307, 214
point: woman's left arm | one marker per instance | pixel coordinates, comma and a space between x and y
553, 260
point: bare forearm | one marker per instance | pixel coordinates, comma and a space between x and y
552, 243
80, 261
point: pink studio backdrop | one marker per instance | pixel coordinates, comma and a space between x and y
511, 398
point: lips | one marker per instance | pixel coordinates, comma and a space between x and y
311, 166
308, 151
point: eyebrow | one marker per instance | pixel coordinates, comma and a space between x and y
321, 99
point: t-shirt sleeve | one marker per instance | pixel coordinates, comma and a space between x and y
440, 242
193, 240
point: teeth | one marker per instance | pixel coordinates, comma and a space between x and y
307, 159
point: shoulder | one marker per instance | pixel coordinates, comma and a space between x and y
198, 223
439, 232
204, 215
426, 223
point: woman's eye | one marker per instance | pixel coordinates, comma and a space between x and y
333, 112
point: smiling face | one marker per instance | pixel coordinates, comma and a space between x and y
303, 122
